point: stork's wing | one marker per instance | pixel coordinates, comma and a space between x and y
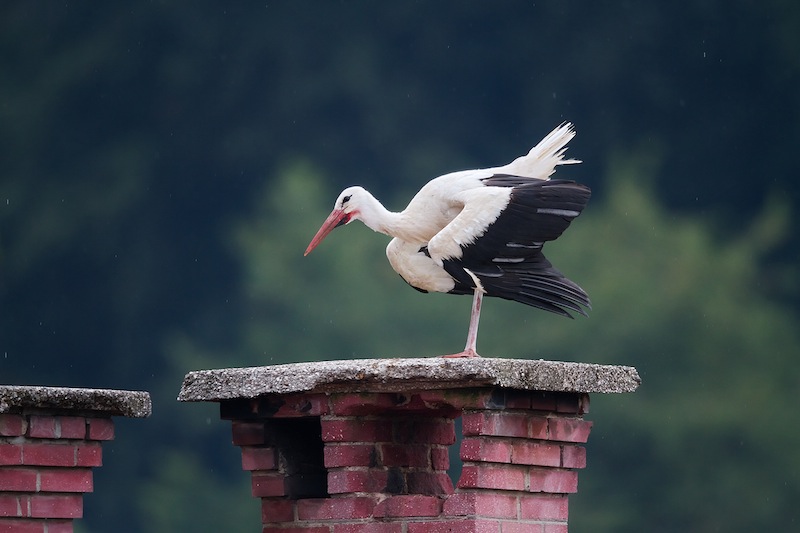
537, 211
506, 257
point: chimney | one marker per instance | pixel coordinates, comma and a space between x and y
50, 439
363, 446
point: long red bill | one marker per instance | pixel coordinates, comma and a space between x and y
335, 219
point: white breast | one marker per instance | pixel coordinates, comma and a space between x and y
416, 268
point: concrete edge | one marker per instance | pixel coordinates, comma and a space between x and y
131, 404
393, 375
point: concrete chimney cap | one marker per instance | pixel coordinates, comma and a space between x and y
398, 375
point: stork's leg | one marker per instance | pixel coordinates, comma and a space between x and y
470, 350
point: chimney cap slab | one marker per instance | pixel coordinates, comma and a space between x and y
110, 402
398, 375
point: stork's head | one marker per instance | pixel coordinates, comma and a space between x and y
345, 210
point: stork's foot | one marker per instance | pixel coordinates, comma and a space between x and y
465, 353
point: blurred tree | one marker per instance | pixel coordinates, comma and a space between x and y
187, 495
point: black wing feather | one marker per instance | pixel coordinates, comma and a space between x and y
508, 258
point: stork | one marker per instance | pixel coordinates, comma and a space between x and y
481, 232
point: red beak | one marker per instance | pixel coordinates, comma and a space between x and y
334, 220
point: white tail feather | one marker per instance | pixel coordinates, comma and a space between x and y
541, 161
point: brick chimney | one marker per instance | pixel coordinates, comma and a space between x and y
363, 446
50, 439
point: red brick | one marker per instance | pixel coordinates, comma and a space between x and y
18, 479
537, 427
429, 483
414, 405
494, 477
416, 505
30, 525
435, 398
59, 526
42, 427
11, 525
518, 399
551, 508
455, 526
10, 454
343, 481
408, 455
13, 425
523, 527
61, 454
585, 404
543, 401
491, 505
568, 403
501, 424
369, 527
425, 430
89, 454
65, 480
248, 433
297, 405
56, 506
573, 456
335, 508
10, 505
274, 510
553, 481
269, 484
101, 429
555, 528
472, 423
356, 429
455, 400
485, 450
569, 429
71, 427
573, 403
338, 455
354, 404
258, 458
536, 453
440, 458
300, 529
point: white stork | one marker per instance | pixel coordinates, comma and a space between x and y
481, 232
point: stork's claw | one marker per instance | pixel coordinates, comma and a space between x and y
465, 353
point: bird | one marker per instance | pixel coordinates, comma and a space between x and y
481, 232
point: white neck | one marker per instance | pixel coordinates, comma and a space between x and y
376, 217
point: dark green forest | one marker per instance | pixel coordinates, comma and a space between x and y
163, 166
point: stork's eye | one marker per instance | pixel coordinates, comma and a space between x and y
346, 199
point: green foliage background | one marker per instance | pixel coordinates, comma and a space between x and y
163, 166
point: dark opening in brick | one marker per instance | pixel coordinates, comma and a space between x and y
300, 455
454, 469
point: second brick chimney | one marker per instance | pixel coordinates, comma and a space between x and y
363, 446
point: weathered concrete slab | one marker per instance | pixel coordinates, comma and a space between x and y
396, 375
132, 404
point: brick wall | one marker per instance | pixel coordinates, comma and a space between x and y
46, 463
379, 462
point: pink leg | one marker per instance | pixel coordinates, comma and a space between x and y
470, 350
